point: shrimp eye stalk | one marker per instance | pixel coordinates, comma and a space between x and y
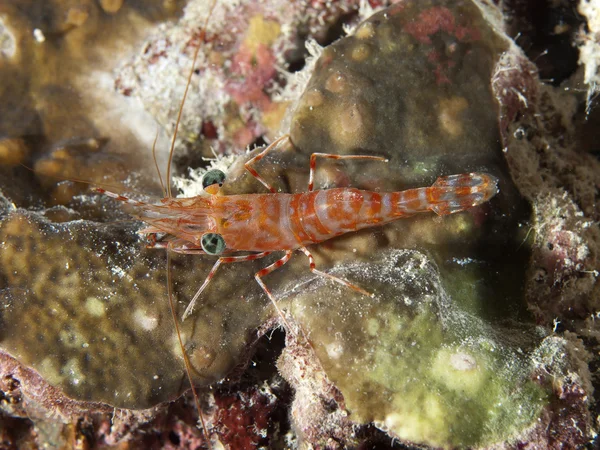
212, 243
213, 180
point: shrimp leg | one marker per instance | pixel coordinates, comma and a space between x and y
258, 276
261, 155
313, 269
267, 270
211, 274
313, 162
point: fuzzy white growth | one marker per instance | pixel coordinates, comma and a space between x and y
191, 186
8, 42
159, 74
365, 10
296, 82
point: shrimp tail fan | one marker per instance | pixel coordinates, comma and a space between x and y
455, 193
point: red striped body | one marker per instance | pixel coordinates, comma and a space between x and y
264, 222
271, 222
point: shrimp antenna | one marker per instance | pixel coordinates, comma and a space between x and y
186, 359
76, 180
187, 87
160, 178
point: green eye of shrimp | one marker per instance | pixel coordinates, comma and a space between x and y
211, 177
213, 243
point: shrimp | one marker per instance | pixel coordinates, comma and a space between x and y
225, 225
237, 228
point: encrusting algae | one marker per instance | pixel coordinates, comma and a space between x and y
445, 354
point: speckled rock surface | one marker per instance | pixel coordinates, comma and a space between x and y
448, 290
94, 317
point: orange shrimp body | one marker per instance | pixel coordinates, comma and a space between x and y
276, 222
270, 222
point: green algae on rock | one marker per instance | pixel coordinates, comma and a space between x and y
96, 321
416, 364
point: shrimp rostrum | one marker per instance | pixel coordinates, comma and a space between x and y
261, 224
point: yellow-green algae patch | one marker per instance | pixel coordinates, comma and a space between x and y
411, 361
88, 310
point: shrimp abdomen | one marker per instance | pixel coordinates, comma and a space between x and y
320, 215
